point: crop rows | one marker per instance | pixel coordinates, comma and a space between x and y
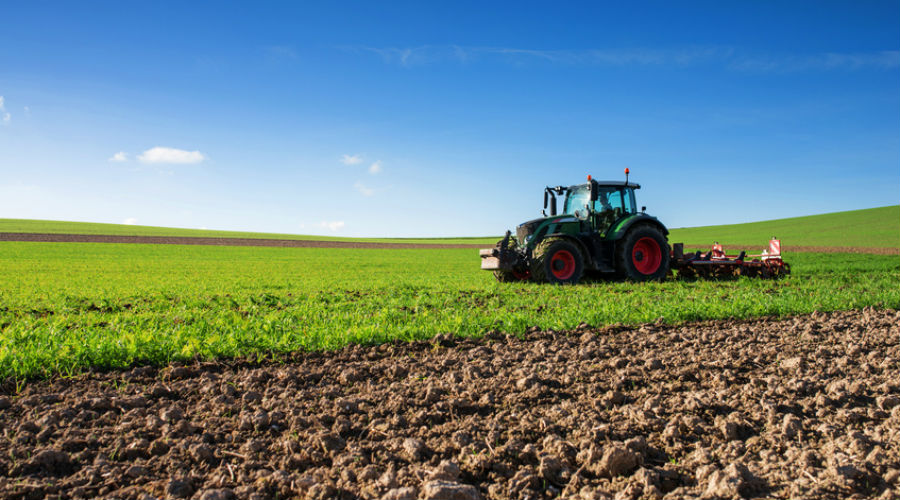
68, 307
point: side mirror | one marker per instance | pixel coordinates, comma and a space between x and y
643, 209
594, 190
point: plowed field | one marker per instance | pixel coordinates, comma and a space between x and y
807, 406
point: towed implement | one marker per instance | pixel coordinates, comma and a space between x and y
716, 264
600, 233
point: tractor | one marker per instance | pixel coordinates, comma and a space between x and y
599, 232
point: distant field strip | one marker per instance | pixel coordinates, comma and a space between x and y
259, 242
857, 231
238, 242
96, 228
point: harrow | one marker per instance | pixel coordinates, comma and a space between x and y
717, 264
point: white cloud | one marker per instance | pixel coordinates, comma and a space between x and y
119, 157
426, 54
332, 225
4, 116
351, 159
171, 155
280, 53
365, 191
884, 60
375, 167
686, 56
130, 221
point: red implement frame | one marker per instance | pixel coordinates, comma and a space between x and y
717, 264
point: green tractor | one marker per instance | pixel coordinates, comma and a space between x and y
599, 232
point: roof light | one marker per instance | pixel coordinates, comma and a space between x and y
589, 178
627, 171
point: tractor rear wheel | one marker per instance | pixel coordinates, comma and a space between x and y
643, 254
557, 261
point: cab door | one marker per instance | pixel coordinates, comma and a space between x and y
612, 203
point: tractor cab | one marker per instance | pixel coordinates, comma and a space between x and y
602, 203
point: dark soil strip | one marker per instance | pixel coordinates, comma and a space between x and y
240, 242
805, 407
260, 242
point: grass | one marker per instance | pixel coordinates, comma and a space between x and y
68, 307
65, 227
872, 227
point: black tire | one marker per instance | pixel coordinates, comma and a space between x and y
557, 261
643, 254
511, 276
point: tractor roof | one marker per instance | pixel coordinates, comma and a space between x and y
633, 185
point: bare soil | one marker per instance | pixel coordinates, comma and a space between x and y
805, 407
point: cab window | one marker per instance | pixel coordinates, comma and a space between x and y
577, 198
610, 199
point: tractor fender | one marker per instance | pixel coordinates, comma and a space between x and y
621, 228
585, 253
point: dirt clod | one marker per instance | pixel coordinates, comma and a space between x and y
445, 471
178, 488
734, 481
217, 494
407, 493
448, 490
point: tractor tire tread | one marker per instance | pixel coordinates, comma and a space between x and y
624, 266
539, 261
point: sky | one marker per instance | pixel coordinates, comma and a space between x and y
410, 119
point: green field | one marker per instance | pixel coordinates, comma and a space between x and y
66, 307
64, 227
872, 227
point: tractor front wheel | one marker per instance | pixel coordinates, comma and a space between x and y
643, 255
557, 261
517, 273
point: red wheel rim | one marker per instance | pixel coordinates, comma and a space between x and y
646, 256
562, 265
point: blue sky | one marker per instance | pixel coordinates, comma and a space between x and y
442, 119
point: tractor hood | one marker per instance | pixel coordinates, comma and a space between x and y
527, 228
